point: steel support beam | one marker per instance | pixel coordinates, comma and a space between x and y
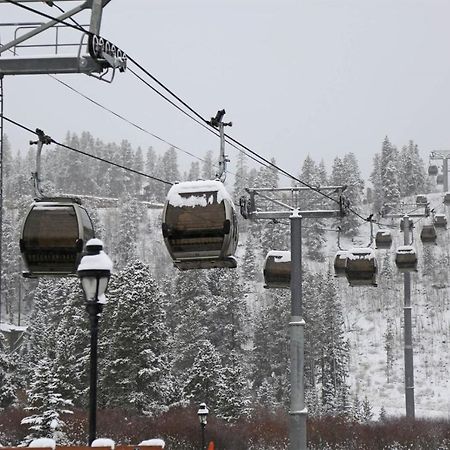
50, 64
408, 350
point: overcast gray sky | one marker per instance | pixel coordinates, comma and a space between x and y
318, 77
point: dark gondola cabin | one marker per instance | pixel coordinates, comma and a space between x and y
361, 267
440, 179
383, 239
277, 270
339, 263
54, 234
440, 221
428, 234
447, 198
406, 259
200, 225
433, 170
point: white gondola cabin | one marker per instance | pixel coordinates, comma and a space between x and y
339, 263
440, 179
383, 239
406, 259
53, 237
428, 234
440, 221
361, 267
200, 225
277, 269
433, 170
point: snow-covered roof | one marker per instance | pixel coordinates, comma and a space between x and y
43, 443
361, 253
8, 327
103, 442
279, 256
154, 442
96, 262
384, 232
342, 254
198, 190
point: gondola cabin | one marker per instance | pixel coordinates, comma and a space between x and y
383, 239
440, 179
433, 170
447, 198
428, 234
53, 238
406, 259
421, 200
339, 263
277, 269
361, 267
200, 225
440, 221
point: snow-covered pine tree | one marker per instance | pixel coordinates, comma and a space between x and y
130, 214
204, 380
240, 179
228, 308
375, 178
276, 236
356, 411
412, 171
335, 350
46, 403
72, 345
249, 264
313, 233
270, 355
366, 411
154, 189
390, 173
135, 369
7, 385
194, 171
189, 319
208, 166
234, 396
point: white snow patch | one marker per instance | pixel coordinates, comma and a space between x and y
154, 442
95, 262
361, 253
200, 193
103, 442
43, 443
8, 327
279, 256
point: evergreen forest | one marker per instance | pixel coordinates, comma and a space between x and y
172, 339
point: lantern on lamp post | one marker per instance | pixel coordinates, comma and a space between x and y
203, 418
94, 272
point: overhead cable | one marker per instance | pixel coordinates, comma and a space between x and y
200, 118
98, 158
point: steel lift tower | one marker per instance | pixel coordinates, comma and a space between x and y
287, 203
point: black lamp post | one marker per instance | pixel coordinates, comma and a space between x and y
203, 418
94, 271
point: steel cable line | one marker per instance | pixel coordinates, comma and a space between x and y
98, 158
119, 116
192, 110
200, 122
